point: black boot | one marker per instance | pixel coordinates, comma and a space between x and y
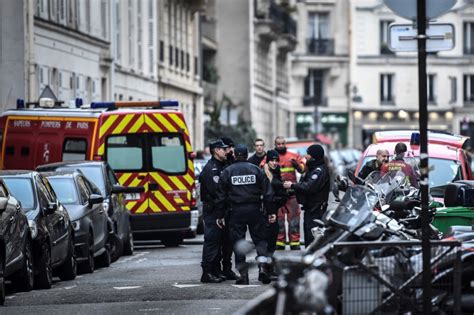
229, 274
263, 275
219, 274
243, 279
272, 273
208, 277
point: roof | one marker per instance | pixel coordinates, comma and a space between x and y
434, 150
70, 163
439, 137
64, 173
19, 173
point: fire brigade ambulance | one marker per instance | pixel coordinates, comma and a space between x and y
146, 143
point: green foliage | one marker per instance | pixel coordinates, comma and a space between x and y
240, 133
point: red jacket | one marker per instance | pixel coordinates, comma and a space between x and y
400, 165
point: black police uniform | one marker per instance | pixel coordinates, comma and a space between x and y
256, 160
313, 192
241, 190
209, 179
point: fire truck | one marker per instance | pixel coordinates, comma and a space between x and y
146, 144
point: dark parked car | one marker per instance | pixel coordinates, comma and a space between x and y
100, 173
16, 256
51, 228
89, 219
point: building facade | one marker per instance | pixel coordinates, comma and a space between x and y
103, 50
254, 40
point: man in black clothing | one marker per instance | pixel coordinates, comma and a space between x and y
241, 190
313, 189
209, 179
260, 154
374, 165
229, 150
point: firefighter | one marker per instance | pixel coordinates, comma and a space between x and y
209, 179
260, 154
279, 196
381, 157
399, 164
242, 189
313, 189
290, 163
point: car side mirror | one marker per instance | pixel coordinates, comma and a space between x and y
95, 199
3, 203
51, 208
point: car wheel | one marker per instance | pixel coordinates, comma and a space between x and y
44, 279
172, 241
128, 247
104, 259
68, 269
26, 277
89, 265
116, 247
2, 284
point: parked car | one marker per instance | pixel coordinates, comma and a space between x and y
51, 229
16, 252
88, 216
102, 175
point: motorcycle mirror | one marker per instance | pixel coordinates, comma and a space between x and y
385, 208
356, 180
243, 247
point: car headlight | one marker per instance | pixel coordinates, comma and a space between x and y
76, 225
33, 228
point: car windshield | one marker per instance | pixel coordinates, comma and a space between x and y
445, 171
22, 189
300, 150
65, 189
93, 173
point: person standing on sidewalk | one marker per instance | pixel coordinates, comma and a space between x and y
313, 189
260, 154
209, 179
290, 164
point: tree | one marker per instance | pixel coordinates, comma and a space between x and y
213, 129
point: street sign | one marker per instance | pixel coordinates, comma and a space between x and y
404, 37
407, 8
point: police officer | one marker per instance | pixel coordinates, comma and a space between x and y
242, 189
229, 150
209, 179
313, 189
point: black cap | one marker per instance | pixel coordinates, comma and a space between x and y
241, 150
400, 148
217, 144
316, 151
272, 155
228, 141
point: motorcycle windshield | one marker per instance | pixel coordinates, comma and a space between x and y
354, 209
389, 182
373, 177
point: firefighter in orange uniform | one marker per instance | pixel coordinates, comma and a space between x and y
290, 163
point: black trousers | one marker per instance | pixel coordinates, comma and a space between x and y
225, 248
248, 216
271, 230
309, 224
212, 242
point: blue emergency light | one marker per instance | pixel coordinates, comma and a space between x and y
415, 138
132, 104
20, 103
107, 105
78, 102
169, 103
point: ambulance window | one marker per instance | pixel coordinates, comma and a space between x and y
125, 152
168, 153
10, 150
74, 149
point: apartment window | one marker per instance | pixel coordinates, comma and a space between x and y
139, 35
431, 88
151, 40
130, 33
454, 89
118, 31
313, 88
469, 88
162, 51
171, 52
103, 14
177, 57
384, 31
469, 38
188, 66
196, 68
88, 16
386, 89
62, 12
319, 37
182, 60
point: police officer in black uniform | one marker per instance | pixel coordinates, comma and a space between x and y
242, 189
209, 179
313, 189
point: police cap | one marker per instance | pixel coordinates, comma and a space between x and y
241, 150
217, 144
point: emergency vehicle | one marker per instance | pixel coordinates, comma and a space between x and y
146, 144
448, 157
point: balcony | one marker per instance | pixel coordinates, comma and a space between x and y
323, 47
314, 100
209, 34
273, 20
